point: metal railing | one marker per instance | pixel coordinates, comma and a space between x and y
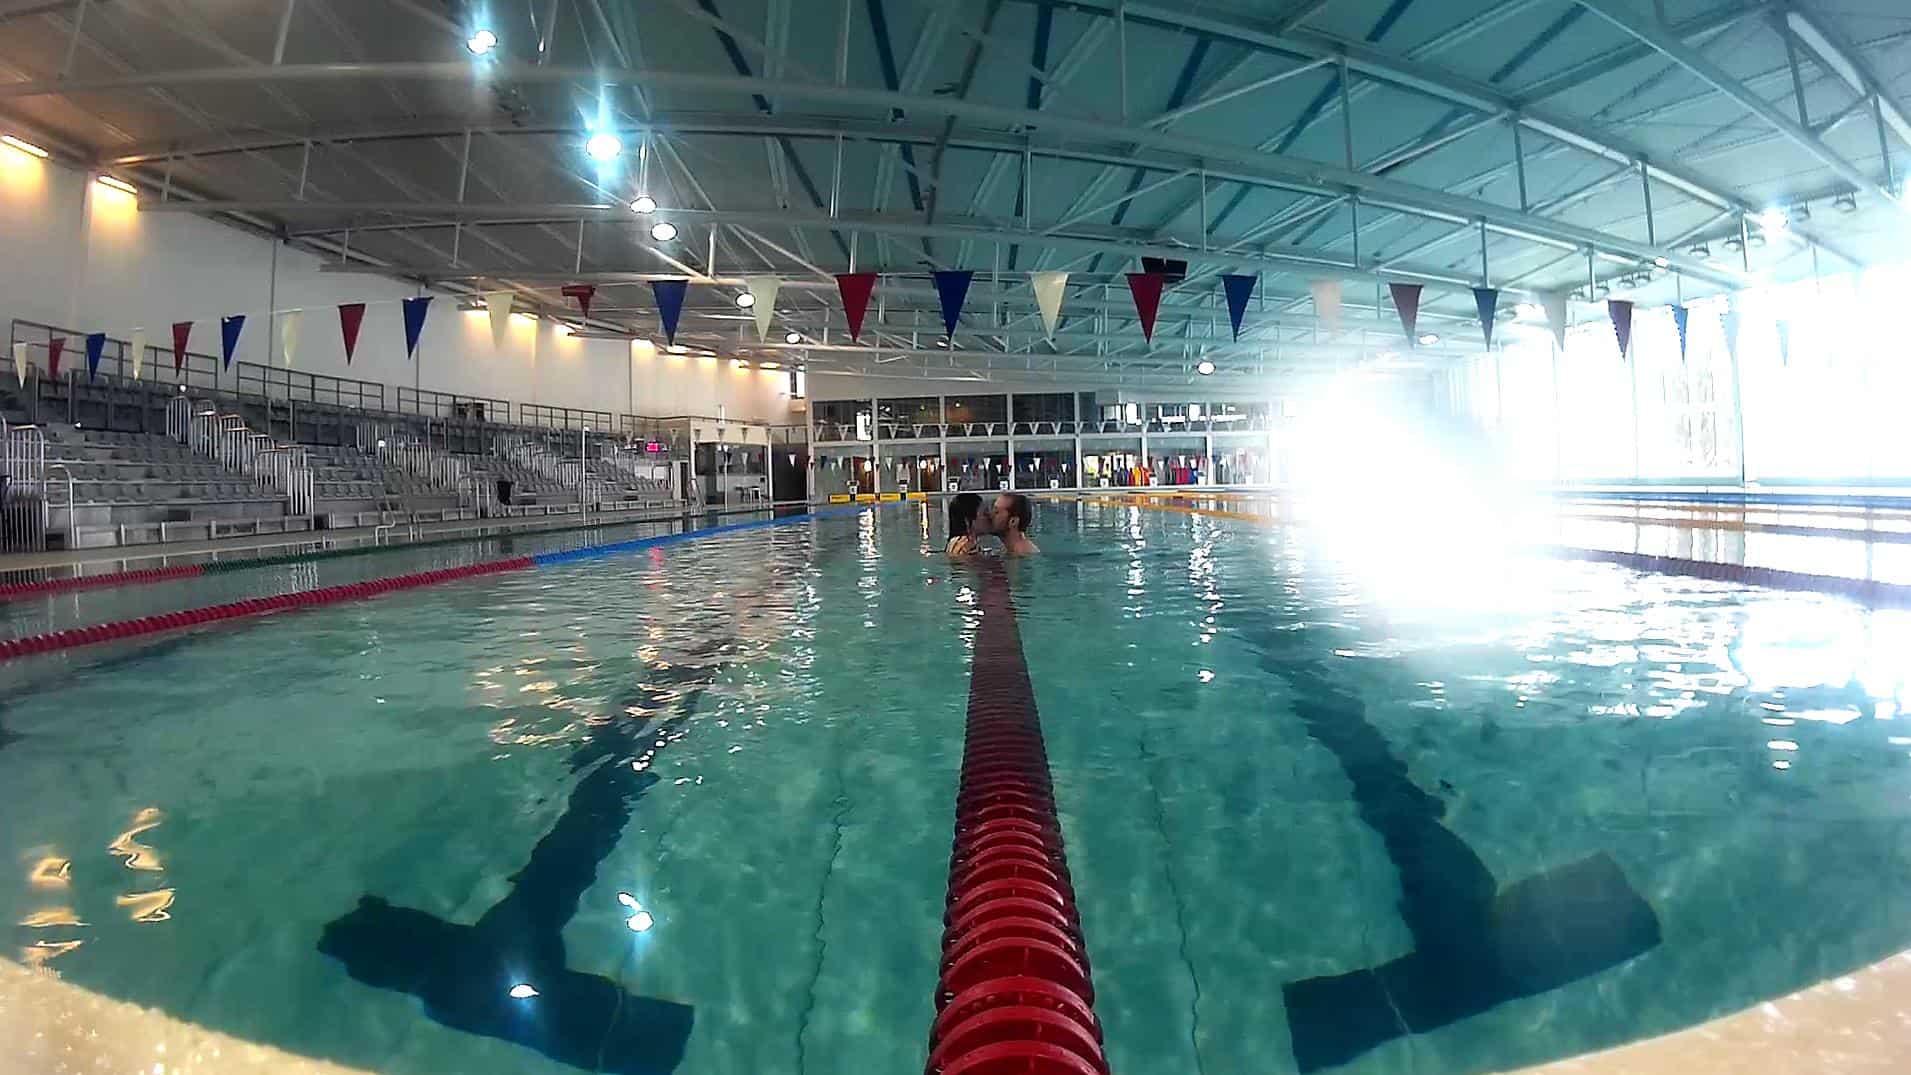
224, 438
298, 386
399, 446
24, 514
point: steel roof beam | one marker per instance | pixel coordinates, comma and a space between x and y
1843, 60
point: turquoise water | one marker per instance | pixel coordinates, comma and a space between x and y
753, 739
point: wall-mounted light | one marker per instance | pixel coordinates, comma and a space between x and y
663, 231
603, 146
23, 146
643, 203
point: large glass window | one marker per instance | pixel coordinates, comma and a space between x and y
909, 413
1113, 464
978, 466
841, 472
1048, 410
1045, 466
912, 470
975, 413
1177, 461
842, 419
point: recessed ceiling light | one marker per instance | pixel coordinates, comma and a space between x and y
792, 337
481, 41
22, 145
643, 203
603, 146
745, 300
1428, 339
1204, 367
663, 231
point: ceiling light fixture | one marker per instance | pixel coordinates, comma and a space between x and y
792, 337
1662, 262
1700, 250
745, 300
1845, 203
1529, 311
23, 146
643, 203
1205, 368
770, 365
481, 41
663, 231
113, 182
1428, 339
1774, 219
678, 349
603, 147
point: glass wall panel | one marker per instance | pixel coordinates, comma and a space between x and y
978, 466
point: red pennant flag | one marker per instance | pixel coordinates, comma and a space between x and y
582, 293
856, 287
1145, 289
350, 316
1621, 313
1406, 303
54, 347
182, 333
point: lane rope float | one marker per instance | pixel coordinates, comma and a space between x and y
1013, 995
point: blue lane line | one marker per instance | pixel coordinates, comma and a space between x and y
592, 552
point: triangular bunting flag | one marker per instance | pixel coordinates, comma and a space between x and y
1681, 320
415, 309
138, 349
763, 289
1620, 310
1327, 303
350, 316
1729, 325
1145, 289
1239, 289
1406, 303
289, 334
669, 295
582, 293
1487, 301
1784, 342
855, 288
229, 329
952, 288
20, 363
95, 347
1048, 288
1554, 303
498, 304
55, 347
182, 334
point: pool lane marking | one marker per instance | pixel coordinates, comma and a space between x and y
1014, 991
1865, 591
118, 630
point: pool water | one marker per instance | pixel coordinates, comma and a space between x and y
689, 809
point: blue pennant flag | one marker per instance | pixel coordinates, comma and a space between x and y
415, 308
669, 294
952, 287
1240, 289
1487, 301
229, 329
95, 346
1681, 317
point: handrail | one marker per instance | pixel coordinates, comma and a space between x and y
23, 510
398, 446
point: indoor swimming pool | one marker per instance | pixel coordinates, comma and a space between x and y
689, 808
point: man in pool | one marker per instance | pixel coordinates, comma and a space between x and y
967, 521
1011, 520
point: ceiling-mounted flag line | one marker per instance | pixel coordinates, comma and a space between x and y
669, 295
1554, 303
1620, 310
229, 329
1048, 287
1487, 301
350, 316
95, 347
55, 348
952, 289
1681, 320
1239, 288
1145, 289
1406, 303
139, 351
182, 334
583, 293
763, 289
415, 309
498, 305
855, 288
289, 322
1326, 303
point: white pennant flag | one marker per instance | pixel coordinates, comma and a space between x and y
1048, 298
138, 349
289, 334
1327, 304
763, 289
1554, 303
499, 304
20, 363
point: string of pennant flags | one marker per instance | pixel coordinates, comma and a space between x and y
855, 290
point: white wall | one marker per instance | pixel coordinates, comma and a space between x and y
82, 257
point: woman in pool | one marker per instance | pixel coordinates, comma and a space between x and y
967, 521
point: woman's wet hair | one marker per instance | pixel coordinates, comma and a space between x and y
963, 509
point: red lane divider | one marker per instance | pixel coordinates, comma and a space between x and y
1014, 995
88, 582
146, 625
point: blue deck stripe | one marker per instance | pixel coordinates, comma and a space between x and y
592, 552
